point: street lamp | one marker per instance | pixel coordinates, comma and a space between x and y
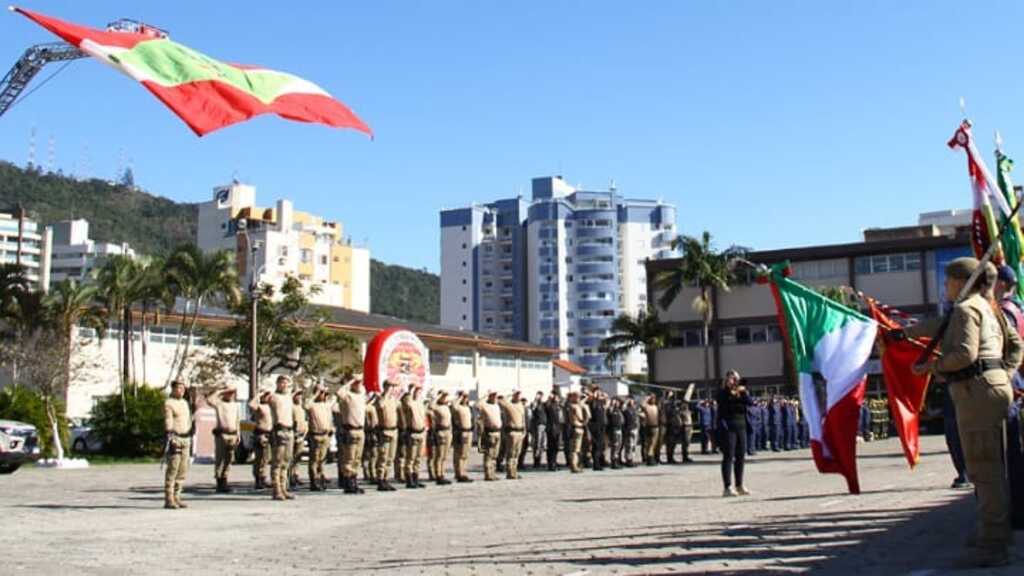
251, 248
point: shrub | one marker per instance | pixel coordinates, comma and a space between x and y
26, 405
133, 428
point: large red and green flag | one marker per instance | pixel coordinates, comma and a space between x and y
827, 343
1012, 239
206, 93
906, 389
985, 190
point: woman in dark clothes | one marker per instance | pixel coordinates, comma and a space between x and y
733, 400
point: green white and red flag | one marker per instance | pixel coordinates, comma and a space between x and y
830, 343
1012, 239
206, 93
985, 190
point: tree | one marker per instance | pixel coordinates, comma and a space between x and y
628, 332
151, 289
291, 335
14, 288
115, 281
198, 278
707, 269
70, 305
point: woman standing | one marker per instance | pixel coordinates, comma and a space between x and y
732, 401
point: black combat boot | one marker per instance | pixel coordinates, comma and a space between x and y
349, 488
409, 483
443, 481
315, 486
464, 480
220, 485
355, 486
416, 481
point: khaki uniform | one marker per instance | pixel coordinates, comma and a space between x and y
577, 419
352, 419
225, 435
441, 420
282, 442
401, 444
264, 427
370, 443
489, 424
976, 333
298, 440
585, 440
649, 419
178, 426
462, 438
513, 417
416, 436
387, 421
321, 428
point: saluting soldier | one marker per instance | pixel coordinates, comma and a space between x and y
416, 435
584, 403
489, 425
225, 435
282, 441
403, 440
387, 423
513, 418
371, 434
259, 412
352, 413
441, 430
980, 352
650, 421
319, 409
462, 438
178, 427
686, 430
577, 420
298, 438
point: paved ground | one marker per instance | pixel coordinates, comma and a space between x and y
108, 520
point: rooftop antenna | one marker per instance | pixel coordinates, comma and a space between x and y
611, 186
51, 154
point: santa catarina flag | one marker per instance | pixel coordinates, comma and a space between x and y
1012, 238
985, 190
206, 93
828, 343
906, 390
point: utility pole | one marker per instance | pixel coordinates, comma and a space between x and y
250, 248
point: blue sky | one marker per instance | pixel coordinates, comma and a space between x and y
770, 124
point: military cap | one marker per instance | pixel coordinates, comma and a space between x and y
1007, 275
962, 268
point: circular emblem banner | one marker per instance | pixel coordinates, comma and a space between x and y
396, 355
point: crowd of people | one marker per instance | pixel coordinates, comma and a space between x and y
386, 437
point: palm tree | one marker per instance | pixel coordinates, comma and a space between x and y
14, 286
198, 278
149, 287
68, 305
115, 280
628, 332
706, 269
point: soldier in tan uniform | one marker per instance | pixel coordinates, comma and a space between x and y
400, 447
585, 441
441, 430
513, 418
283, 437
178, 427
370, 441
387, 441
650, 420
462, 436
979, 355
259, 412
319, 410
225, 434
299, 438
416, 436
489, 427
352, 419
577, 421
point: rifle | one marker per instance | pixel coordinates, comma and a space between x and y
965, 291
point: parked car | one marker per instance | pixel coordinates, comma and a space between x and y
84, 440
19, 443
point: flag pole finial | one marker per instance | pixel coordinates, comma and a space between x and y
963, 107
999, 141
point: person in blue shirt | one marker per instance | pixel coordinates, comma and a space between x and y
775, 424
763, 433
704, 419
752, 427
1013, 310
864, 428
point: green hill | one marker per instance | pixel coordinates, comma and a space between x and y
155, 225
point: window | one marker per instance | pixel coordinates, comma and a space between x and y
463, 245
323, 260
463, 281
283, 251
906, 262
463, 263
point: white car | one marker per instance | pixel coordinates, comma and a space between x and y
19, 443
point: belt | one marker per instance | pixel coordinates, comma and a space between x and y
182, 435
513, 429
388, 428
979, 367
420, 431
347, 427
492, 430
440, 429
219, 432
328, 433
279, 427
264, 432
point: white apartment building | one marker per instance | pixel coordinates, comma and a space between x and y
75, 255
23, 242
555, 271
286, 242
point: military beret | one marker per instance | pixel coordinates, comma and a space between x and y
962, 268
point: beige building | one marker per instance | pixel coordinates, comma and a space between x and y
23, 241
900, 267
287, 242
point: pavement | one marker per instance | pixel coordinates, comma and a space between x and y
649, 520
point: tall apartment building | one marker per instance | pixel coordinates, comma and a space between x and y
287, 242
23, 242
75, 255
555, 271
